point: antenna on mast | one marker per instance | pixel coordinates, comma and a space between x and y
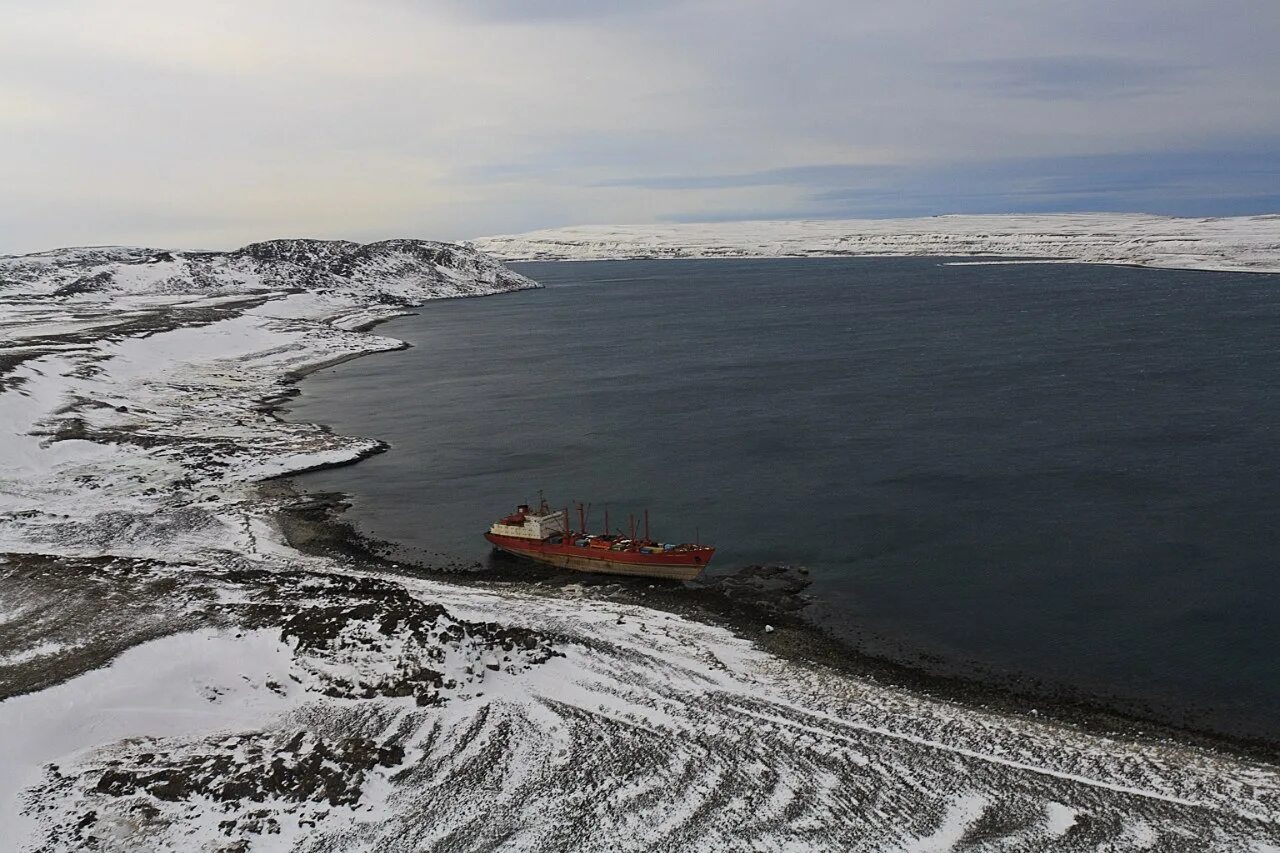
646, 524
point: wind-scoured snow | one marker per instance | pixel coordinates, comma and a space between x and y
1232, 244
174, 675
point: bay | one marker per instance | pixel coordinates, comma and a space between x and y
1057, 472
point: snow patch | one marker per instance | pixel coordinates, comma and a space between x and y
961, 813
188, 684
1059, 819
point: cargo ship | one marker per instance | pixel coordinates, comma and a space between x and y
545, 536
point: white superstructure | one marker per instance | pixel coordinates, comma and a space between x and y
527, 525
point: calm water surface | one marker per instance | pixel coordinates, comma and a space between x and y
1065, 471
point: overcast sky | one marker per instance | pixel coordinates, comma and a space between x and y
218, 123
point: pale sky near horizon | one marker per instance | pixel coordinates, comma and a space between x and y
215, 124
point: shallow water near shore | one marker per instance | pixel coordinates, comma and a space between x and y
1062, 472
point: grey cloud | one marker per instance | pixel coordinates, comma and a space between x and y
548, 11
216, 124
1210, 182
1071, 77
817, 175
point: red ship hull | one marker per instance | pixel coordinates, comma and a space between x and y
675, 565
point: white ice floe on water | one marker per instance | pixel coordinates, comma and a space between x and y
1240, 243
177, 676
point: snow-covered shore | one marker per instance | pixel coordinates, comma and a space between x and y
174, 675
1233, 244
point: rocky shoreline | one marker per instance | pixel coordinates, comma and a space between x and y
764, 604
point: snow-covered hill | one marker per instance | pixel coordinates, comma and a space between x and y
120, 358
401, 272
1243, 243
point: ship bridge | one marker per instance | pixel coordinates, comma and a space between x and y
530, 525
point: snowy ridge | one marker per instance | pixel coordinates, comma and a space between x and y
173, 675
404, 271
123, 361
1232, 244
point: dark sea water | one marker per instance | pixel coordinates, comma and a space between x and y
1063, 472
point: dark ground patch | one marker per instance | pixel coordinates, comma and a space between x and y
254, 779
86, 611
89, 610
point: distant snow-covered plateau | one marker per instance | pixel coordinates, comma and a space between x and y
174, 674
1232, 244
